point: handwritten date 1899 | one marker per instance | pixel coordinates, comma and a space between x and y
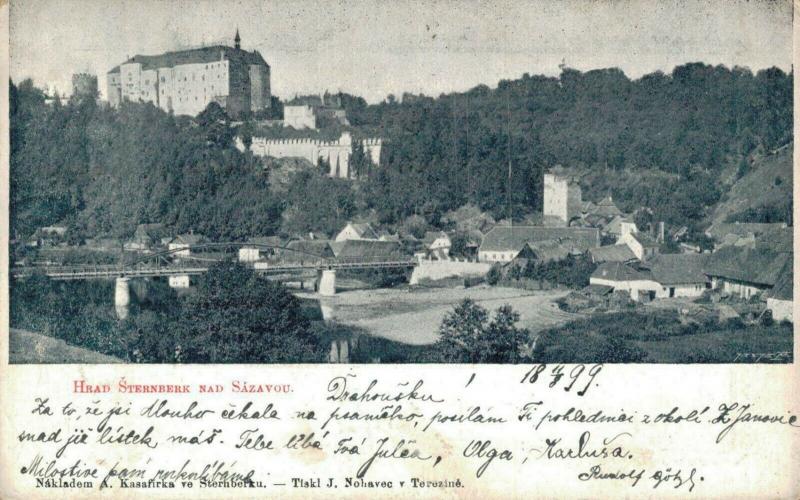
557, 373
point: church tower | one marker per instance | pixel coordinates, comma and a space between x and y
237, 40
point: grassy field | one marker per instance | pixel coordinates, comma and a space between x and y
413, 315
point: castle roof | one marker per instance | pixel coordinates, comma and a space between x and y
200, 55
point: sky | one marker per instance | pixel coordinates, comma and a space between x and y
373, 48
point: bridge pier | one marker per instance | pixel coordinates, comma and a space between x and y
340, 352
327, 283
122, 297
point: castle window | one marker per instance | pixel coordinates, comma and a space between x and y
203, 77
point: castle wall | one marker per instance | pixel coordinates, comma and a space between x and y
337, 152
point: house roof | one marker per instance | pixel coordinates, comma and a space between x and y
189, 239
431, 236
274, 241
779, 239
597, 289
607, 208
719, 230
512, 238
612, 253
153, 232
366, 250
543, 251
308, 250
200, 55
617, 271
645, 240
363, 230
679, 268
748, 265
615, 226
784, 287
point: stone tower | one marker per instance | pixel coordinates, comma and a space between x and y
562, 199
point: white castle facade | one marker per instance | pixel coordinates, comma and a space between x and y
337, 153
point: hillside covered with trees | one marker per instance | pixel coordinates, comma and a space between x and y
672, 142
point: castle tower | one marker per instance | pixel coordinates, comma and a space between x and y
562, 200
237, 40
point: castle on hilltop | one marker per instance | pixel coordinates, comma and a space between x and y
185, 82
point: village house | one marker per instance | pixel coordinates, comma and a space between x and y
259, 246
620, 226
746, 272
307, 252
146, 238
665, 276
181, 245
642, 245
780, 298
357, 231
48, 236
503, 243
180, 281
612, 253
679, 275
437, 245
540, 253
639, 284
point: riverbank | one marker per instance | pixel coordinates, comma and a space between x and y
412, 315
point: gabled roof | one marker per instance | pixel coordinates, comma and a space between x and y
748, 265
678, 269
153, 232
607, 208
543, 251
617, 271
363, 230
612, 253
512, 238
200, 55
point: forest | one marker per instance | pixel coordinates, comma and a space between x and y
671, 142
